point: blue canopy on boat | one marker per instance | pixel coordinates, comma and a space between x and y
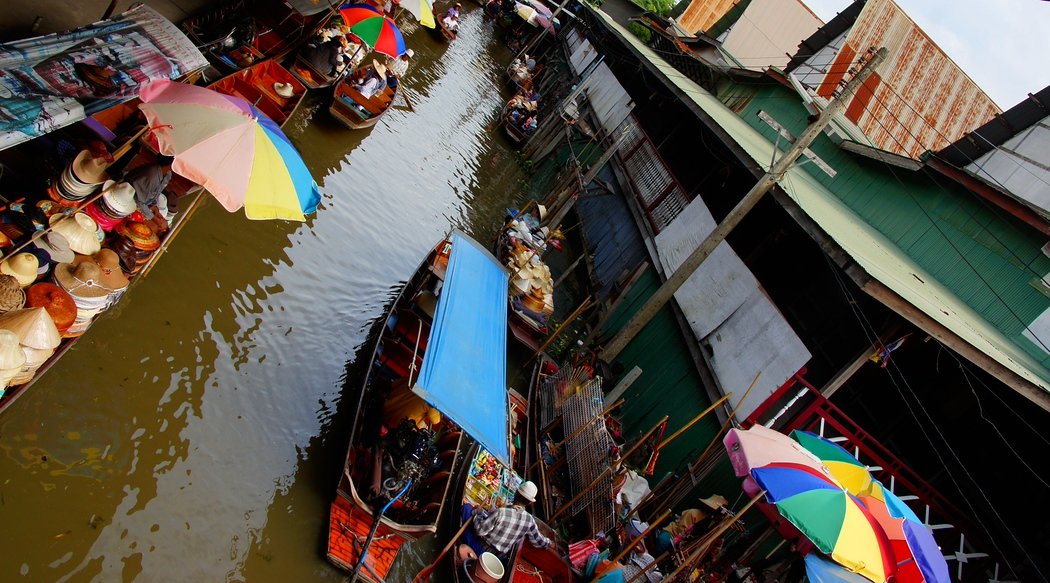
464, 373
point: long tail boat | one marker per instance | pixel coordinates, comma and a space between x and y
354, 110
442, 347
266, 85
441, 32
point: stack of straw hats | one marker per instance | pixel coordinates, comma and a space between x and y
79, 180
58, 303
11, 295
83, 282
12, 359
137, 243
112, 277
81, 231
116, 204
21, 266
37, 336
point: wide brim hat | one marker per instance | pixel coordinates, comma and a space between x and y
81, 279
57, 247
284, 89
109, 262
542, 211
715, 502
139, 234
410, 54
34, 328
379, 67
11, 354
89, 169
58, 303
11, 295
80, 230
528, 491
22, 266
119, 197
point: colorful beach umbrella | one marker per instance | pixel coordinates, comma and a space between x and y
423, 10
836, 522
375, 29
848, 470
918, 558
230, 148
758, 446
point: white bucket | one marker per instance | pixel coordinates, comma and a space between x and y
488, 568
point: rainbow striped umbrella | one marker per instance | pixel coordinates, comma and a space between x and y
848, 470
837, 523
919, 559
376, 30
230, 148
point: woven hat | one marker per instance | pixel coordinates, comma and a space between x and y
57, 247
34, 328
715, 502
109, 262
542, 210
11, 355
80, 231
119, 197
89, 169
22, 266
11, 295
379, 67
285, 90
139, 234
81, 279
58, 303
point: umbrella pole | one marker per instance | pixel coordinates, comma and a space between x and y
175, 231
591, 486
699, 553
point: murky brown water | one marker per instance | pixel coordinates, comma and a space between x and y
196, 432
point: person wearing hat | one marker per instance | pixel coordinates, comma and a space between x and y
374, 81
327, 57
690, 523
501, 530
399, 66
149, 182
453, 11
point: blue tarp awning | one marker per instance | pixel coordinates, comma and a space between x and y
464, 373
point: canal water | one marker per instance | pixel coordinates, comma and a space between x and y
197, 432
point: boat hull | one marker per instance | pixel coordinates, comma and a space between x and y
256, 85
355, 111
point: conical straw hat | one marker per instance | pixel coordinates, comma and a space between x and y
11, 355
34, 328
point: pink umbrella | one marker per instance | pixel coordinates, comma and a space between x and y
760, 446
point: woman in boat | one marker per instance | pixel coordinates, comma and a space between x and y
373, 82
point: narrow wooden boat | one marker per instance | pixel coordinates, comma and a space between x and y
445, 339
441, 32
237, 34
309, 76
262, 85
528, 307
356, 111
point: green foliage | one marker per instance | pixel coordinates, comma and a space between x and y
661, 7
640, 31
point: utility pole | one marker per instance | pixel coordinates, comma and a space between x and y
697, 257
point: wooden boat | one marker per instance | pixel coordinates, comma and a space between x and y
238, 34
258, 85
398, 474
356, 111
528, 310
441, 32
309, 76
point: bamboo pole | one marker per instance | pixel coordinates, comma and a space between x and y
561, 328
609, 469
641, 537
579, 430
702, 550
694, 420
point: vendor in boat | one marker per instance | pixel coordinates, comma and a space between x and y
690, 523
501, 530
149, 182
328, 57
453, 11
399, 66
451, 22
373, 81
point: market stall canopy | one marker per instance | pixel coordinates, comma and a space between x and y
51, 81
464, 372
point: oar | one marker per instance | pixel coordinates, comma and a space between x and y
372, 533
424, 575
404, 93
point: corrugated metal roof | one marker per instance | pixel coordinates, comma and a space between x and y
870, 240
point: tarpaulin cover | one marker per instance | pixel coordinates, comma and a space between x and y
51, 81
464, 373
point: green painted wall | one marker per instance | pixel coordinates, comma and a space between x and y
962, 240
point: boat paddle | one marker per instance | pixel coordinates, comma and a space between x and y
372, 533
424, 575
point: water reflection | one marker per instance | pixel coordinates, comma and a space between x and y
197, 433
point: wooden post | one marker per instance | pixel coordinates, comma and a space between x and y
695, 420
715, 238
609, 469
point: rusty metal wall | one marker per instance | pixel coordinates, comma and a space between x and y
703, 14
920, 99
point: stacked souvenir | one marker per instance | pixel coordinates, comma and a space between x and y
112, 278
136, 244
56, 301
79, 180
22, 266
53, 248
116, 204
11, 295
12, 358
531, 281
83, 281
37, 336
80, 231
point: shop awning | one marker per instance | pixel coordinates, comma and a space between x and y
464, 373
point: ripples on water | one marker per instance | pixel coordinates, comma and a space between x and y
197, 433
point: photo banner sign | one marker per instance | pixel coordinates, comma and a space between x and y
48, 82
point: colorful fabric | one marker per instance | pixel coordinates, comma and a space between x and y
506, 528
580, 551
